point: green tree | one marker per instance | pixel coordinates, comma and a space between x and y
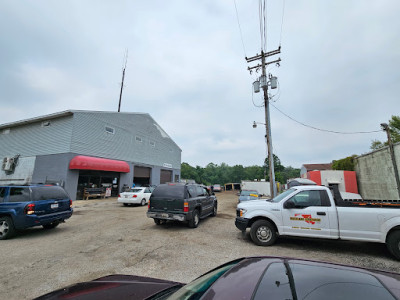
345, 164
278, 168
394, 127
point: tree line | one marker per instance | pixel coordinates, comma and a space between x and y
223, 173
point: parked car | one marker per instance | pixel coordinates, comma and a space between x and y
217, 188
32, 205
246, 195
136, 195
181, 202
314, 211
248, 278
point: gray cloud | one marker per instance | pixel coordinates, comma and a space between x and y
186, 68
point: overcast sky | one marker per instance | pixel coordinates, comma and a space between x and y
186, 67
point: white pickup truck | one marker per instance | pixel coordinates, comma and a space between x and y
312, 211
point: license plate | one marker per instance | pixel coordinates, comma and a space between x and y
164, 215
55, 205
126, 196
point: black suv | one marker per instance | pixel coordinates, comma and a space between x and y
181, 202
26, 206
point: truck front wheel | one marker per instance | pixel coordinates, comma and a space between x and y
263, 233
393, 243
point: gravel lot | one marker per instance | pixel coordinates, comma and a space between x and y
103, 237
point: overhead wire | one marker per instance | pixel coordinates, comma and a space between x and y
252, 99
265, 25
283, 14
262, 20
325, 130
240, 28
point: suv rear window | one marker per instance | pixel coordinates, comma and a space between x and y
169, 191
48, 192
19, 194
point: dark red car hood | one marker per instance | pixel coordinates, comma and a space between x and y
113, 287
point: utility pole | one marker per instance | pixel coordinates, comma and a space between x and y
396, 171
264, 84
122, 82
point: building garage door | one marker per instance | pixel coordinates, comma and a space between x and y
165, 176
141, 175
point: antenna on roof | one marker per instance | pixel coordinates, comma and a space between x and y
123, 77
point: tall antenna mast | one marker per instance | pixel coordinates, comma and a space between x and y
123, 77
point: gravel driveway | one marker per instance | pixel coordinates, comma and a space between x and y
104, 237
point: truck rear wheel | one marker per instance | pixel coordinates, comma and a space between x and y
7, 228
393, 243
263, 233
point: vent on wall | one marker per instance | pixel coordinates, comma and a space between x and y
46, 123
109, 130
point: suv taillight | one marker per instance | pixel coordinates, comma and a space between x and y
70, 203
186, 207
148, 206
29, 209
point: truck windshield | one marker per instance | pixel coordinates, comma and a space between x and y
283, 195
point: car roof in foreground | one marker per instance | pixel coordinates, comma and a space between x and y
254, 278
265, 277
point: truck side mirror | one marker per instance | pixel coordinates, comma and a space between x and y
289, 204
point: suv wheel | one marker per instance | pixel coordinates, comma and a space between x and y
194, 222
215, 208
7, 229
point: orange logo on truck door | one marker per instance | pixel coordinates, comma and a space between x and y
307, 218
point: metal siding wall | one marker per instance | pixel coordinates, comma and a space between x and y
52, 167
33, 139
56, 168
90, 138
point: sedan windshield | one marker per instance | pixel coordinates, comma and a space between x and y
282, 196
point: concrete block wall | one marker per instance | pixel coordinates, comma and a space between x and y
375, 174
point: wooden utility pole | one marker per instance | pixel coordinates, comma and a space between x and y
122, 82
264, 85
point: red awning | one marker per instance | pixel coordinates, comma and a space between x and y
81, 162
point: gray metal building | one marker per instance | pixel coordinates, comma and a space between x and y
79, 149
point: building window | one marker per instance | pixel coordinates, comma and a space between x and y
138, 139
109, 130
45, 123
152, 144
6, 131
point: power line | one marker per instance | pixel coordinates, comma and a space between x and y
263, 30
283, 14
240, 29
325, 130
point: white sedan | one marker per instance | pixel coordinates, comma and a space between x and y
140, 195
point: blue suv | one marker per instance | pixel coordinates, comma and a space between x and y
32, 205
